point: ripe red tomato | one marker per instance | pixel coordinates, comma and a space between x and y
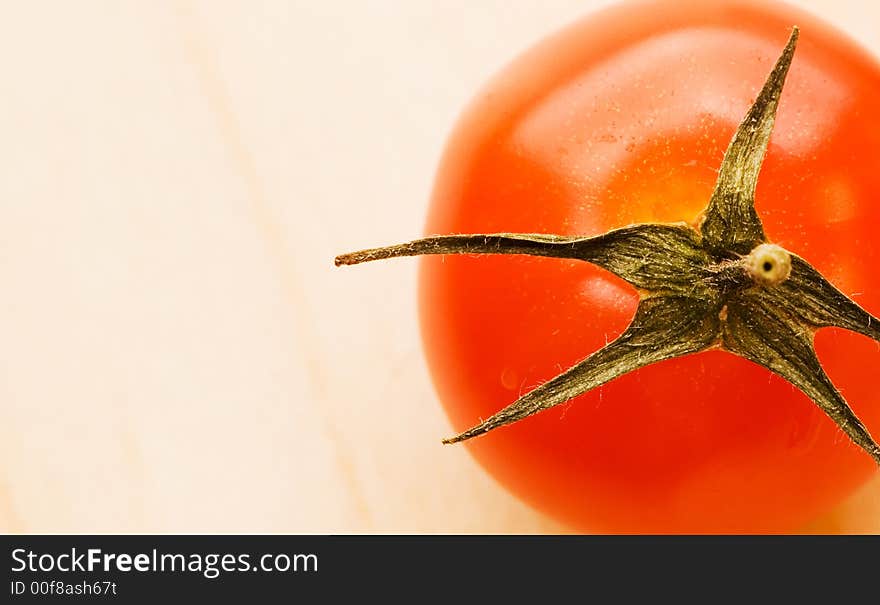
624, 118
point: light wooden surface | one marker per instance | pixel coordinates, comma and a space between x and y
178, 353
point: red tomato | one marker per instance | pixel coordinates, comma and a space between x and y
624, 118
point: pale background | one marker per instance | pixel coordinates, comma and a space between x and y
177, 352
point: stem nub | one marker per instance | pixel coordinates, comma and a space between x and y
768, 264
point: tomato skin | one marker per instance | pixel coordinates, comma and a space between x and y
624, 118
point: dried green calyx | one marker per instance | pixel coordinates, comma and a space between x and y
721, 285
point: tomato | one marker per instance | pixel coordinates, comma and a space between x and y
623, 118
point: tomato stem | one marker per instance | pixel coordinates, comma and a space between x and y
768, 264
718, 285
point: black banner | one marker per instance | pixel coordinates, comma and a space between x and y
147, 568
